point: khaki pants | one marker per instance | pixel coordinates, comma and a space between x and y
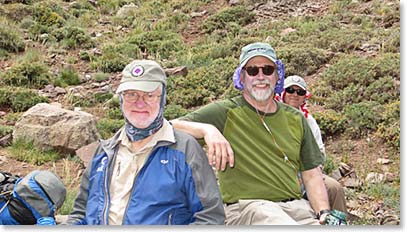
336, 194
263, 212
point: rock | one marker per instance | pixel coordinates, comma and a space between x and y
374, 178
50, 126
177, 71
287, 31
389, 177
198, 14
86, 153
59, 90
6, 140
2, 113
127, 11
352, 183
3, 159
383, 161
234, 2
336, 174
345, 169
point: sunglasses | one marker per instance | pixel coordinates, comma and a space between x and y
254, 70
291, 90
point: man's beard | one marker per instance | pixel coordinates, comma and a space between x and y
261, 95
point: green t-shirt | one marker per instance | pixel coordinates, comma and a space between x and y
260, 170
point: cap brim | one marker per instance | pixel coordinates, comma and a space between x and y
145, 86
291, 84
254, 55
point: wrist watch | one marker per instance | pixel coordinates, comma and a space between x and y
324, 211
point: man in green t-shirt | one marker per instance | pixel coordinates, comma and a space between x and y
266, 144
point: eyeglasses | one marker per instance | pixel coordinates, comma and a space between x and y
132, 97
254, 70
291, 90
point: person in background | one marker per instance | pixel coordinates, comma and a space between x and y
266, 144
148, 172
296, 94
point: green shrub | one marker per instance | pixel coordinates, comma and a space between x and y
67, 76
101, 97
10, 38
47, 16
115, 56
228, 18
159, 44
362, 117
202, 85
330, 122
4, 130
27, 74
16, 12
108, 127
389, 129
19, 99
25, 150
114, 113
174, 22
67, 207
100, 77
174, 111
302, 60
72, 37
329, 165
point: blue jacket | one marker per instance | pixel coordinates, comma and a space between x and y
176, 185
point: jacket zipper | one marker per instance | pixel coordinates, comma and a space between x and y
170, 219
135, 181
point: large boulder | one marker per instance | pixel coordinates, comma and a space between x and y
50, 126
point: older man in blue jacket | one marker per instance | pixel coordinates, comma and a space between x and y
148, 172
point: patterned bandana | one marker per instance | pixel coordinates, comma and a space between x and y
280, 83
134, 133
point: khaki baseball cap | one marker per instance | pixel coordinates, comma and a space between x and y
295, 80
143, 75
257, 49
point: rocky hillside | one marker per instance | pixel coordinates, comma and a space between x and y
71, 53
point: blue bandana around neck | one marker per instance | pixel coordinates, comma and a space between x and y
133, 133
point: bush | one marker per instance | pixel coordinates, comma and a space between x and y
228, 18
115, 56
10, 38
101, 97
330, 122
174, 111
302, 60
26, 151
5, 130
362, 117
19, 99
68, 76
100, 77
202, 85
158, 44
108, 127
72, 37
27, 74
389, 129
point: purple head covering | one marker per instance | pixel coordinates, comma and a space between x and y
278, 89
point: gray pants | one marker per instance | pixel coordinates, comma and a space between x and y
263, 212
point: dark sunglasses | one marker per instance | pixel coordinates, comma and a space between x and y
291, 90
254, 70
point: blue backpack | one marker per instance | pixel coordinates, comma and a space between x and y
24, 200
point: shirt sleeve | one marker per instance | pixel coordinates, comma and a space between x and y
311, 156
214, 114
317, 133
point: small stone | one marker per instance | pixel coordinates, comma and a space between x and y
383, 161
